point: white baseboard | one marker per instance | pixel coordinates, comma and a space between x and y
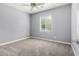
73, 49
51, 40
5, 43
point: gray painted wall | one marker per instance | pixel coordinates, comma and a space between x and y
14, 24
61, 24
75, 28
74, 20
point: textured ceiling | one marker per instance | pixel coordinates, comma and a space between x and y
27, 9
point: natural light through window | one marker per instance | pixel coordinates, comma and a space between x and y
45, 23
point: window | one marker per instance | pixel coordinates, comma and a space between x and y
45, 23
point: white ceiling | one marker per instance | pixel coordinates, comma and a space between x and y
27, 9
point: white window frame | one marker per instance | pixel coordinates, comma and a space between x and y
41, 20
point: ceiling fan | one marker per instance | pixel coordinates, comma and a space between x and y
34, 5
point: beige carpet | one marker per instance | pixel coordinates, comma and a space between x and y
36, 47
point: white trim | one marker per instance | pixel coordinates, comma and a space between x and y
35, 38
51, 40
73, 49
13, 41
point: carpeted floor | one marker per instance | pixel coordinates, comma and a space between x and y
36, 47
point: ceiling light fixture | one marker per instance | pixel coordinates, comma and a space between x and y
34, 5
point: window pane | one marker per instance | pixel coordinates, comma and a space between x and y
46, 23
43, 24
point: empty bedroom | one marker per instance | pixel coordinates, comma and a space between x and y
38, 29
